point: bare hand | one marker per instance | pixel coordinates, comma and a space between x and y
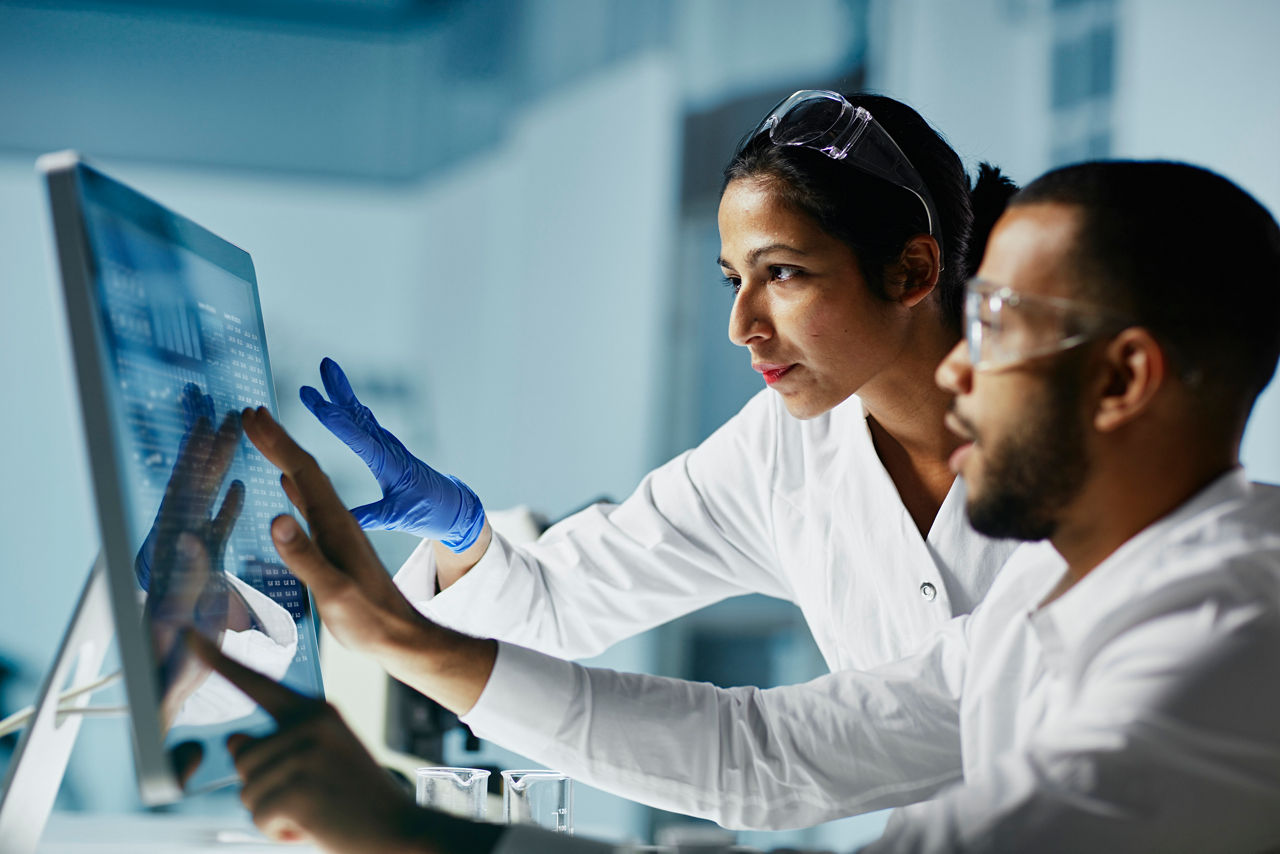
313, 780
353, 591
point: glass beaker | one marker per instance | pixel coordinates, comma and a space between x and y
539, 797
460, 791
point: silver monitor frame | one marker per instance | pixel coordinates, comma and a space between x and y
157, 783
110, 597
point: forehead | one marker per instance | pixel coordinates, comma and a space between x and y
752, 213
1030, 249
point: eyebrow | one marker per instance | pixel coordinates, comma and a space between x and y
754, 254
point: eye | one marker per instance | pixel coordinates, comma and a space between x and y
732, 282
783, 273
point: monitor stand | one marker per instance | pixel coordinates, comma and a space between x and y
36, 768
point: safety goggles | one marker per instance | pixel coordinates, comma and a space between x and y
825, 122
1004, 328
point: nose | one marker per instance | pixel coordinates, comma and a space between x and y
955, 373
748, 321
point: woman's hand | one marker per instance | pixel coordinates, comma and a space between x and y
415, 497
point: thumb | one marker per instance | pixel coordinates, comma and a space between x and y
305, 560
373, 517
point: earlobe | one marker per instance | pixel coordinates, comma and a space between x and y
921, 262
1135, 371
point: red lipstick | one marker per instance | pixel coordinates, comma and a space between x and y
771, 372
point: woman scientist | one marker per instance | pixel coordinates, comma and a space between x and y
848, 229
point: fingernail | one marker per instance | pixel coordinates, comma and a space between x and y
285, 529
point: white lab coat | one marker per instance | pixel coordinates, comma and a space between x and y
799, 510
1135, 713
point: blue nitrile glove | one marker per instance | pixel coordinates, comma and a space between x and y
415, 497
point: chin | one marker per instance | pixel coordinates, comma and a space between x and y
805, 407
1005, 520
803, 410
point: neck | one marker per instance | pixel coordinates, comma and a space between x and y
1128, 495
904, 401
905, 412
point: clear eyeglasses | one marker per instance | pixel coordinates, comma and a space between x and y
1004, 328
825, 122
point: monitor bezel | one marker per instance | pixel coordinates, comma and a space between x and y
71, 181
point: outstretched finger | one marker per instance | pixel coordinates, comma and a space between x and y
340, 423
291, 491
336, 384
279, 701
331, 523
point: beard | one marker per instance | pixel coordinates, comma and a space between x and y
1034, 472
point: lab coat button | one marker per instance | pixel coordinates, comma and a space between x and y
928, 591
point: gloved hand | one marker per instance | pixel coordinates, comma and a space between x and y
415, 497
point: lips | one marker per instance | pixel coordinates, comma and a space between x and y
958, 426
956, 461
772, 372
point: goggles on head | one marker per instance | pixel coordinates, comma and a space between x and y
1004, 328
825, 122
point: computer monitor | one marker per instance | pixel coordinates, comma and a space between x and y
167, 338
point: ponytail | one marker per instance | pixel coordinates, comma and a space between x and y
988, 198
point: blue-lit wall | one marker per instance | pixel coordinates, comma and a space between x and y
485, 211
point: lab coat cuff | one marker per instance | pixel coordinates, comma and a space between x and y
524, 703
416, 577
469, 596
525, 839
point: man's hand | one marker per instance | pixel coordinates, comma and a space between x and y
313, 780
355, 595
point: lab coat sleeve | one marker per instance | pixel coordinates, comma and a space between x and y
786, 757
697, 530
1168, 745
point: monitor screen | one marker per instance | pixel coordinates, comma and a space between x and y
169, 345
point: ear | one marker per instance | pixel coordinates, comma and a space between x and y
1135, 368
920, 264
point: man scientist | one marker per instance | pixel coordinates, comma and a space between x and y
1115, 691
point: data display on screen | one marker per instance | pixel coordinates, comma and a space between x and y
183, 353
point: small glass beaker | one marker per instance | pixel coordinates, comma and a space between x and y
539, 797
459, 791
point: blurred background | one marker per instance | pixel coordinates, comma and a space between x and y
499, 216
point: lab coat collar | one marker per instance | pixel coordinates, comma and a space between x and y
1078, 619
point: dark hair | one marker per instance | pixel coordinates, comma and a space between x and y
1188, 255
876, 218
